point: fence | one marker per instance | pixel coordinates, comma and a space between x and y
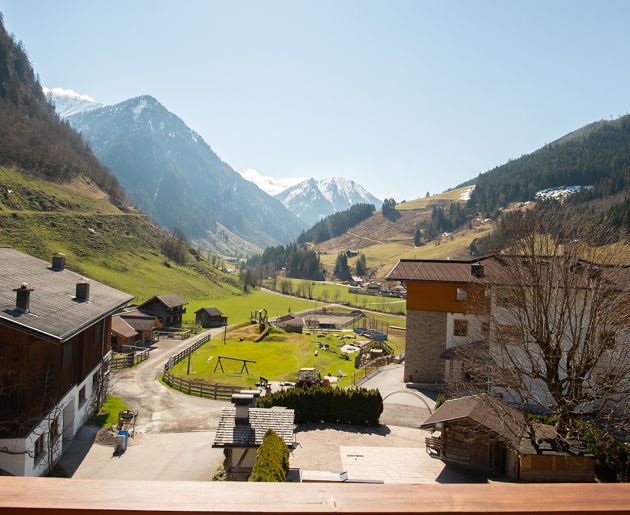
128, 360
200, 388
174, 334
369, 370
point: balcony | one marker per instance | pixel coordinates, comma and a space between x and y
56, 496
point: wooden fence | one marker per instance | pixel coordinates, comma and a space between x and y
128, 360
196, 387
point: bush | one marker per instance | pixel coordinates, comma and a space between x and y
439, 400
333, 405
272, 460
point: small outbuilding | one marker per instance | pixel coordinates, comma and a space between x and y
242, 428
210, 317
491, 437
167, 307
143, 323
122, 334
291, 324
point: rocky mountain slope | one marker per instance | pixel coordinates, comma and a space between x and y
312, 200
172, 174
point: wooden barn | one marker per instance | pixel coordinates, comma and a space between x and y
167, 307
143, 323
210, 317
491, 437
290, 323
122, 334
55, 333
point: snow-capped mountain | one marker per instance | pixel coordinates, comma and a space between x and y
312, 200
173, 175
68, 102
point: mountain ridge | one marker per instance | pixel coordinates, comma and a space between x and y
312, 199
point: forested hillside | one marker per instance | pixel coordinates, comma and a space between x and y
336, 224
31, 135
597, 155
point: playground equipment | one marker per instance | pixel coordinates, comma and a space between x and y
260, 317
243, 361
308, 377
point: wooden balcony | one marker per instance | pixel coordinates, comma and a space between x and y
25, 496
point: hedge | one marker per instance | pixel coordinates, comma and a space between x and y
332, 405
272, 460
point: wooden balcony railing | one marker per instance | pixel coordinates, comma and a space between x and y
39, 496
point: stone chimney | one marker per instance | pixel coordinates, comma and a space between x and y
476, 269
83, 291
255, 396
242, 402
58, 262
23, 297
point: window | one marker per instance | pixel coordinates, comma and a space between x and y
81, 396
95, 381
54, 428
39, 447
462, 294
460, 327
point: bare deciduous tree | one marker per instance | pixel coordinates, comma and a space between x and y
557, 328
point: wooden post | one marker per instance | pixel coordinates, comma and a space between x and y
224, 334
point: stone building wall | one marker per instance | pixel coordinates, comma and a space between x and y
425, 342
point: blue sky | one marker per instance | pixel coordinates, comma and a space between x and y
403, 97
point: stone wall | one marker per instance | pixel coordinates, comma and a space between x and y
425, 341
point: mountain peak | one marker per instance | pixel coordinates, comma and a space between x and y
68, 102
314, 199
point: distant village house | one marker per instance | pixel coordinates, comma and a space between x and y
210, 317
167, 307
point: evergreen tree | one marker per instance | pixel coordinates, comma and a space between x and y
342, 270
417, 239
361, 267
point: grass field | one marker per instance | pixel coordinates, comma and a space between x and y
108, 414
238, 307
334, 293
424, 202
278, 358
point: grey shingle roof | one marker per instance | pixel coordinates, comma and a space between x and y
121, 327
170, 300
212, 311
53, 308
280, 420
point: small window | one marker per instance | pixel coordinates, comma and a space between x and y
81, 395
95, 381
460, 328
462, 294
54, 428
39, 447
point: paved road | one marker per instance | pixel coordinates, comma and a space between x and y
162, 409
402, 406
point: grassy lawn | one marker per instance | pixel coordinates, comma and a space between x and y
278, 358
327, 292
108, 414
238, 307
424, 202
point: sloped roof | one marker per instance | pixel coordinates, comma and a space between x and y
487, 412
212, 311
54, 311
441, 270
170, 300
230, 434
122, 328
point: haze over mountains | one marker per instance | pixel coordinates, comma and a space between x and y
171, 174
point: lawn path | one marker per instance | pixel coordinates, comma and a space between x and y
162, 409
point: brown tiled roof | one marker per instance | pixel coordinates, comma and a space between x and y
139, 323
490, 413
170, 300
122, 328
54, 310
431, 270
214, 312
230, 434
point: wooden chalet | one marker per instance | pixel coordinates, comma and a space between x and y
489, 436
54, 338
143, 323
210, 317
167, 307
290, 323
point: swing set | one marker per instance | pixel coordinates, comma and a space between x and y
243, 361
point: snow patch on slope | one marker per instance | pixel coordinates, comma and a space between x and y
269, 184
68, 102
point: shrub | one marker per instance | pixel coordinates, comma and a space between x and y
334, 405
439, 400
272, 460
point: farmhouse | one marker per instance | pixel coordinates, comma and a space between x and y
210, 317
54, 328
143, 323
242, 429
491, 437
167, 307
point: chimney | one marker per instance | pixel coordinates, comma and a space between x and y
243, 402
255, 396
476, 269
23, 297
58, 262
83, 291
